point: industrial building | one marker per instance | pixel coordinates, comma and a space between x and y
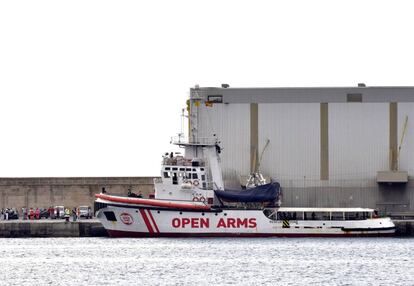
327, 146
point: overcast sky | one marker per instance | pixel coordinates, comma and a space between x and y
96, 88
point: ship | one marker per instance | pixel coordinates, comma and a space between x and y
190, 200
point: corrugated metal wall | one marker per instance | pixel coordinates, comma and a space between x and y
358, 140
358, 148
407, 149
294, 150
231, 124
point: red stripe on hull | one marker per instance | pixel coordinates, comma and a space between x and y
147, 223
153, 221
118, 233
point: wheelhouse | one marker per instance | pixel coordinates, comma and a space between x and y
176, 170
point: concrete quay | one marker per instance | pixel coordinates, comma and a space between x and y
51, 228
93, 228
404, 227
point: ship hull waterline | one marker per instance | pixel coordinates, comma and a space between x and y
132, 221
128, 234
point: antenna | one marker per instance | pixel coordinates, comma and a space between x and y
182, 120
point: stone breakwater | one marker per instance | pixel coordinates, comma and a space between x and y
66, 191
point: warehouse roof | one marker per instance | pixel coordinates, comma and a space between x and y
305, 94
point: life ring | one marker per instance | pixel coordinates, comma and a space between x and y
202, 199
187, 182
196, 183
195, 199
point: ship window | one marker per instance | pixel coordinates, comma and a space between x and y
287, 215
110, 216
195, 176
188, 169
175, 179
337, 216
270, 213
182, 169
203, 177
354, 215
174, 169
167, 168
202, 169
316, 216
194, 170
166, 175
188, 175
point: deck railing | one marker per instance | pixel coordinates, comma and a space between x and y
200, 140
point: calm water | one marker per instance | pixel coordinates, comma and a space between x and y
273, 261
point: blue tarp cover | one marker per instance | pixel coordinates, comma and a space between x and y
264, 193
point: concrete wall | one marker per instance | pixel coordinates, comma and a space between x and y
47, 228
70, 192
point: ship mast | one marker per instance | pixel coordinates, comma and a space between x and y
206, 147
195, 102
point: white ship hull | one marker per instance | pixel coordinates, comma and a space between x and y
142, 221
190, 200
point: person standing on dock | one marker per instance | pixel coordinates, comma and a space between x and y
31, 214
24, 213
67, 214
50, 210
74, 216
